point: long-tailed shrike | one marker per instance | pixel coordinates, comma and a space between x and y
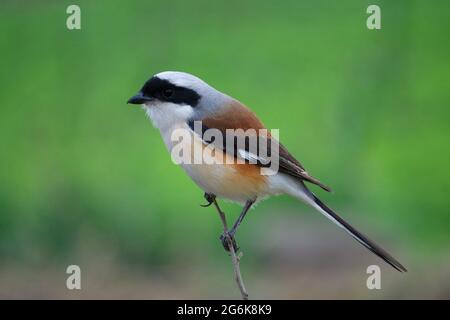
176, 101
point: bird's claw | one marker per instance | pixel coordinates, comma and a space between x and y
224, 239
210, 198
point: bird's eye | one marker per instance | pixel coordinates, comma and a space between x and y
167, 93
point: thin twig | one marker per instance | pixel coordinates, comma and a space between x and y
234, 258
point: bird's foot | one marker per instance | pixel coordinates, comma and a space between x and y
225, 238
210, 198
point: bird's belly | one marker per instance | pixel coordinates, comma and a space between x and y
219, 174
228, 181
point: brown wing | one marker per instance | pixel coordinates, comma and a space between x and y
290, 165
237, 116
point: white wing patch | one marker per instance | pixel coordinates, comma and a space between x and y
253, 158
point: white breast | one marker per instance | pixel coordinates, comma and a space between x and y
223, 180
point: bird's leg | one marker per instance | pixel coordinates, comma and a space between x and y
226, 238
210, 198
241, 217
232, 232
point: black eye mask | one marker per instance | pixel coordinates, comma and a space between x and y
164, 90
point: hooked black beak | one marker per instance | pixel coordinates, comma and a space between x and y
139, 98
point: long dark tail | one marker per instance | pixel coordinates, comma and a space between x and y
362, 239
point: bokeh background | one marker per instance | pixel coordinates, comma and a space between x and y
86, 180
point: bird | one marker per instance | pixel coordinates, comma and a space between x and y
176, 101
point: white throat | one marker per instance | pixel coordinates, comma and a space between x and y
165, 115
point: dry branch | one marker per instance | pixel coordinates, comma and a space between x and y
234, 258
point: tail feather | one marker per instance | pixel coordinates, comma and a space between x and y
362, 239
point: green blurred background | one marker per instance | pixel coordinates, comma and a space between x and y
86, 180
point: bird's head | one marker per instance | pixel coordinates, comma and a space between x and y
170, 97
